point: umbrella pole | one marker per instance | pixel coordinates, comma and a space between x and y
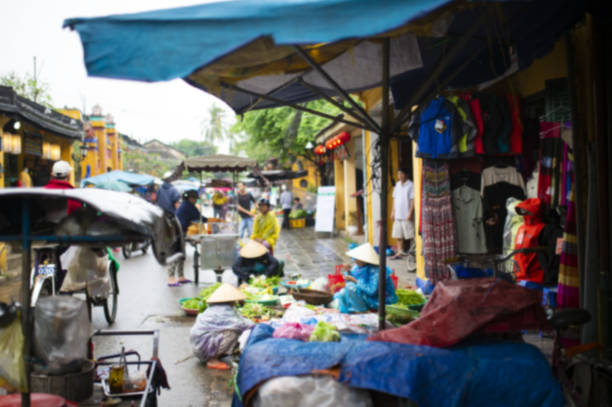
26, 317
384, 169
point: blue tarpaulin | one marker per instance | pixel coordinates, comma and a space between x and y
128, 178
475, 374
249, 44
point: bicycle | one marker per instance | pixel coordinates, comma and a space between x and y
46, 280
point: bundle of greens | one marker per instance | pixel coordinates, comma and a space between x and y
298, 214
257, 312
324, 332
199, 302
409, 297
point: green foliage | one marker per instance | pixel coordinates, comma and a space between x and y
28, 87
215, 129
193, 148
147, 163
282, 132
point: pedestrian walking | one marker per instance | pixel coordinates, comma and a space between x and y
402, 213
167, 196
244, 200
286, 201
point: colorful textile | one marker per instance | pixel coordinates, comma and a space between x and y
438, 227
362, 296
568, 288
266, 227
550, 157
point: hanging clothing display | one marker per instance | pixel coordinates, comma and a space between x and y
468, 178
469, 131
438, 228
493, 175
494, 208
497, 123
467, 209
436, 129
527, 237
516, 136
551, 157
474, 103
568, 289
513, 221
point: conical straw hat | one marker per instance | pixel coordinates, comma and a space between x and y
252, 250
226, 293
365, 253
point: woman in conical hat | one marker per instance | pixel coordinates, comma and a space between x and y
255, 259
216, 330
361, 291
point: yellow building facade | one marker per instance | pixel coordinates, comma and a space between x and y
101, 148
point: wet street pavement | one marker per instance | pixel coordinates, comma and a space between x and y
146, 302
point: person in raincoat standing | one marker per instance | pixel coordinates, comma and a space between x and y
265, 227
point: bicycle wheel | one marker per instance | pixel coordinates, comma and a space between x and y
110, 302
127, 250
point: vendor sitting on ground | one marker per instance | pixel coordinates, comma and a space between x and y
361, 291
217, 329
265, 227
256, 260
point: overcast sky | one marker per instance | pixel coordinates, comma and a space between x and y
168, 111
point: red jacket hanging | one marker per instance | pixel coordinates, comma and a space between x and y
527, 236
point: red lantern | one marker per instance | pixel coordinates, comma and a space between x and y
343, 137
319, 150
329, 144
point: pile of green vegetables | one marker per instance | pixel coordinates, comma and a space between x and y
298, 214
399, 314
265, 282
199, 302
324, 332
409, 297
257, 312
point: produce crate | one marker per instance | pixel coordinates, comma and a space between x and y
297, 223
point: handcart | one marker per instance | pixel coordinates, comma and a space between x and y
216, 251
106, 218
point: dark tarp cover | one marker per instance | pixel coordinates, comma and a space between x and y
459, 308
474, 374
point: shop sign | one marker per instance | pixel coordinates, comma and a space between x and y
33, 145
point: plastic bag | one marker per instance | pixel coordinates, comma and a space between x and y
309, 391
12, 366
211, 331
61, 332
324, 332
336, 280
86, 268
321, 284
294, 330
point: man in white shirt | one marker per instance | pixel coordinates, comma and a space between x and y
402, 212
286, 201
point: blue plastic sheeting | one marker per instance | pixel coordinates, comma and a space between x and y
129, 178
168, 44
475, 374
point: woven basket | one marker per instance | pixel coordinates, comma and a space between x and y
313, 297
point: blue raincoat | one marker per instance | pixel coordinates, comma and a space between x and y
362, 296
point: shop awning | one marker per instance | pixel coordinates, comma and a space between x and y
218, 163
40, 116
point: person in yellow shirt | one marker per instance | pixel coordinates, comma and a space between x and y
265, 227
24, 176
219, 200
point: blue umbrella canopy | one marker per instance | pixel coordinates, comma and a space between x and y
114, 180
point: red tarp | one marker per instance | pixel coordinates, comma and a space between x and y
459, 308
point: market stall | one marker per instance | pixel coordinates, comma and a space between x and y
215, 251
105, 218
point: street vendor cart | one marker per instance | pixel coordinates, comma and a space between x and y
216, 251
106, 218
